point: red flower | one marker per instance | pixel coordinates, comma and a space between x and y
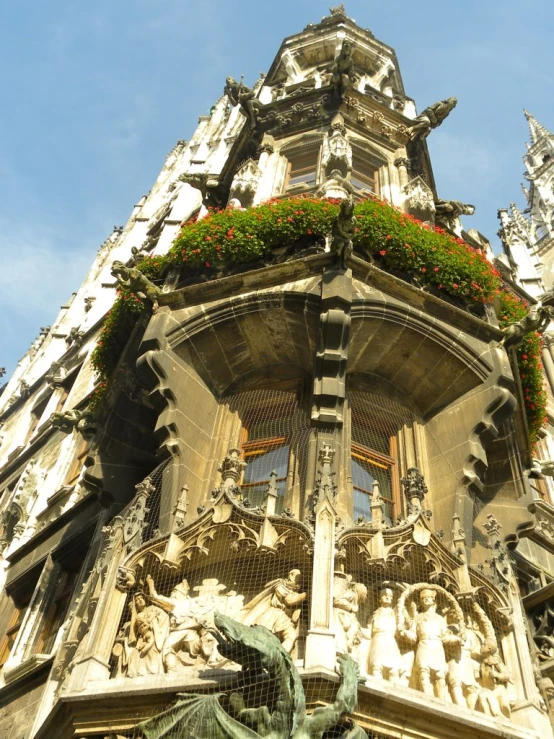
455, 285
435, 269
383, 252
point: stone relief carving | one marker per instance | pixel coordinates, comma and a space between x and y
336, 151
278, 608
168, 633
82, 421
245, 183
384, 659
347, 598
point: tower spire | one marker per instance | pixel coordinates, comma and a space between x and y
536, 129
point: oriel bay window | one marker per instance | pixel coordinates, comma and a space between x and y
302, 167
381, 439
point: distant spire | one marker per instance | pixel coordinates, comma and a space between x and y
536, 129
525, 191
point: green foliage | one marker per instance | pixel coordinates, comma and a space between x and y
530, 365
396, 241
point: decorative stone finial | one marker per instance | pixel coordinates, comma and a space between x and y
338, 10
414, 486
231, 469
271, 494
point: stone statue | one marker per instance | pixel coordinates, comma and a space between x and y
184, 641
448, 211
343, 75
431, 117
278, 608
384, 660
260, 653
347, 597
430, 633
133, 279
343, 232
463, 666
494, 698
139, 646
239, 94
538, 319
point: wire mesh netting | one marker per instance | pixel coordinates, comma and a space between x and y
376, 423
274, 436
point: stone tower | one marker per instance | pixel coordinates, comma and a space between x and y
270, 472
528, 239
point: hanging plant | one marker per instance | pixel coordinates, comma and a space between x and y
395, 240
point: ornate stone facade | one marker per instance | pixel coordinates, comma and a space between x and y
301, 508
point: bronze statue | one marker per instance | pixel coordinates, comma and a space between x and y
343, 75
343, 231
261, 654
133, 279
239, 94
431, 117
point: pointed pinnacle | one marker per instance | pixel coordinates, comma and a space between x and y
536, 129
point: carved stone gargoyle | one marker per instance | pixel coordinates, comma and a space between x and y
133, 279
239, 94
447, 212
83, 421
538, 319
431, 117
210, 188
261, 655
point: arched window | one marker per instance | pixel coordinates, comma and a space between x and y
365, 170
273, 437
382, 447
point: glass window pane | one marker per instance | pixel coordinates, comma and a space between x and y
261, 463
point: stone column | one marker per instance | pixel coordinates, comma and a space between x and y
548, 361
320, 642
402, 164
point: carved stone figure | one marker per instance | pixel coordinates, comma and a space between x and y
430, 633
83, 421
494, 698
384, 659
209, 186
239, 94
538, 319
278, 608
184, 643
447, 212
347, 596
343, 75
141, 650
463, 665
259, 651
431, 117
343, 232
133, 279
336, 152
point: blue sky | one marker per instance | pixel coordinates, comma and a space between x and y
95, 94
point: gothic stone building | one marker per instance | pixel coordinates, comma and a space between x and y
303, 506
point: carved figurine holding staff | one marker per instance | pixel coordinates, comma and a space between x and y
342, 233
